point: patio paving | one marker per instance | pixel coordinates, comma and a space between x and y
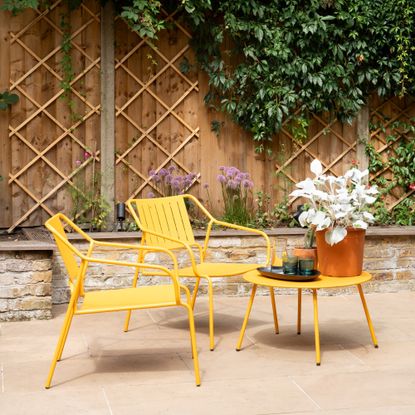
149, 369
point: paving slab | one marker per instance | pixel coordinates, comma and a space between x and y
149, 370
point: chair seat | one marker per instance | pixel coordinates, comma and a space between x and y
128, 298
219, 269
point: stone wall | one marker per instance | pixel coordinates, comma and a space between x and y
390, 259
27, 288
25, 285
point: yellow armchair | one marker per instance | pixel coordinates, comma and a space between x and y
124, 299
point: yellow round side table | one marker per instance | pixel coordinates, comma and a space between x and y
320, 282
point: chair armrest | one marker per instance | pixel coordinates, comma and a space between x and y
212, 220
184, 244
87, 258
173, 275
139, 248
246, 229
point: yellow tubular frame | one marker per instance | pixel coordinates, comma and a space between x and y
202, 251
77, 286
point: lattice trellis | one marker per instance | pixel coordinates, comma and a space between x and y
333, 143
156, 107
384, 115
48, 145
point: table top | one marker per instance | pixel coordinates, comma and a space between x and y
322, 281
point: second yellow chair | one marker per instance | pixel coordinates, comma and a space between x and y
165, 223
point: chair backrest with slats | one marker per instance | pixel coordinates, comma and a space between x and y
165, 215
68, 252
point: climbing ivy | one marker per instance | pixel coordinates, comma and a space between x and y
266, 59
401, 162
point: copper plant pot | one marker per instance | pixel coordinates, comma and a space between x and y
344, 259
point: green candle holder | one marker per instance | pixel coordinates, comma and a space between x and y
306, 266
290, 265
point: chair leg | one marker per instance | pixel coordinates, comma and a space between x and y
244, 324
211, 322
274, 309
299, 312
61, 343
135, 279
193, 343
369, 320
188, 301
195, 293
65, 336
316, 330
127, 320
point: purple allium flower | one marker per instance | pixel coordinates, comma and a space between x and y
221, 178
150, 195
163, 172
156, 178
168, 179
239, 177
171, 168
248, 184
206, 186
151, 172
222, 168
232, 184
175, 184
229, 171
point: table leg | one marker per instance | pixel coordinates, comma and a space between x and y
369, 320
274, 309
316, 330
299, 312
248, 311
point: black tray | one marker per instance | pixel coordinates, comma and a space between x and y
277, 273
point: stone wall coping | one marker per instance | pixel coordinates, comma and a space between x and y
50, 246
26, 246
372, 231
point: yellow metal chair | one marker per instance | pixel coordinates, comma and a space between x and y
115, 299
165, 222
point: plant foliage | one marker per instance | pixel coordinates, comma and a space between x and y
400, 160
266, 59
7, 99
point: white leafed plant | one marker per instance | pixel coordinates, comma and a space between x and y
336, 202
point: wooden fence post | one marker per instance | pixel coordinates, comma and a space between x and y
362, 137
108, 109
5, 148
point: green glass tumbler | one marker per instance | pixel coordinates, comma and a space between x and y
290, 265
306, 266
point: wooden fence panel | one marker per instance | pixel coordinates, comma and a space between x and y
332, 142
160, 119
385, 116
48, 142
156, 108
